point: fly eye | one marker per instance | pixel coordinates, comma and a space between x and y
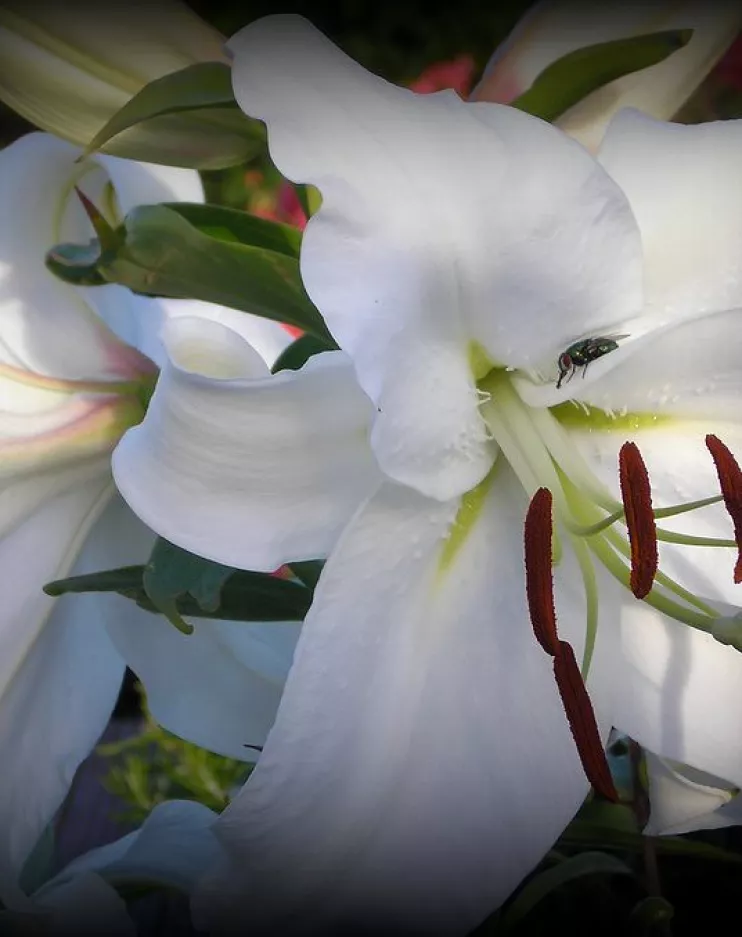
565, 361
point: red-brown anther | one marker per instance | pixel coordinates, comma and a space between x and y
730, 482
637, 501
582, 722
539, 582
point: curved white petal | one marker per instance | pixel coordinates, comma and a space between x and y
680, 687
250, 472
136, 183
173, 847
692, 369
681, 803
524, 249
684, 187
36, 174
60, 673
267, 337
85, 907
218, 687
421, 762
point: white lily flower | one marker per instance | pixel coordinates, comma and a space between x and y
174, 848
68, 68
75, 368
421, 762
554, 28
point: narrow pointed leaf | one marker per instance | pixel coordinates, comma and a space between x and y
308, 571
200, 87
164, 255
299, 352
576, 75
127, 579
245, 596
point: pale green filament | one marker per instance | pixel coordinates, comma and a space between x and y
542, 454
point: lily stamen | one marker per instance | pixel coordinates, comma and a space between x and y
730, 481
571, 686
637, 499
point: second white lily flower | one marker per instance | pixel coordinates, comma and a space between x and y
76, 369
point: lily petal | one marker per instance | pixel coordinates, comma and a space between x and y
685, 801
247, 470
670, 172
688, 370
394, 793
248, 662
60, 675
408, 263
267, 337
173, 847
69, 343
680, 686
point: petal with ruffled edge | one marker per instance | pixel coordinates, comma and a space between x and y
61, 674
245, 468
398, 791
679, 686
684, 187
218, 687
526, 247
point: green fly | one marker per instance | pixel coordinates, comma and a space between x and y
580, 354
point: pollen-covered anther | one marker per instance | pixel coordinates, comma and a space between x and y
637, 500
582, 723
730, 482
539, 582
571, 686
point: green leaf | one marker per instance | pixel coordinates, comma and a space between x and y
576, 75
164, 255
205, 85
243, 596
125, 580
587, 863
297, 354
172, 573
229, 224
308, 571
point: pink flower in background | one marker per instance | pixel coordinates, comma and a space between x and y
457, 74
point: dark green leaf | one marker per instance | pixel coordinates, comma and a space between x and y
172, 573
127, 579
229, 224
542, 884
300, 351
199, 87
308, 571
165, 255
576, 75
243, 596
250, 596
